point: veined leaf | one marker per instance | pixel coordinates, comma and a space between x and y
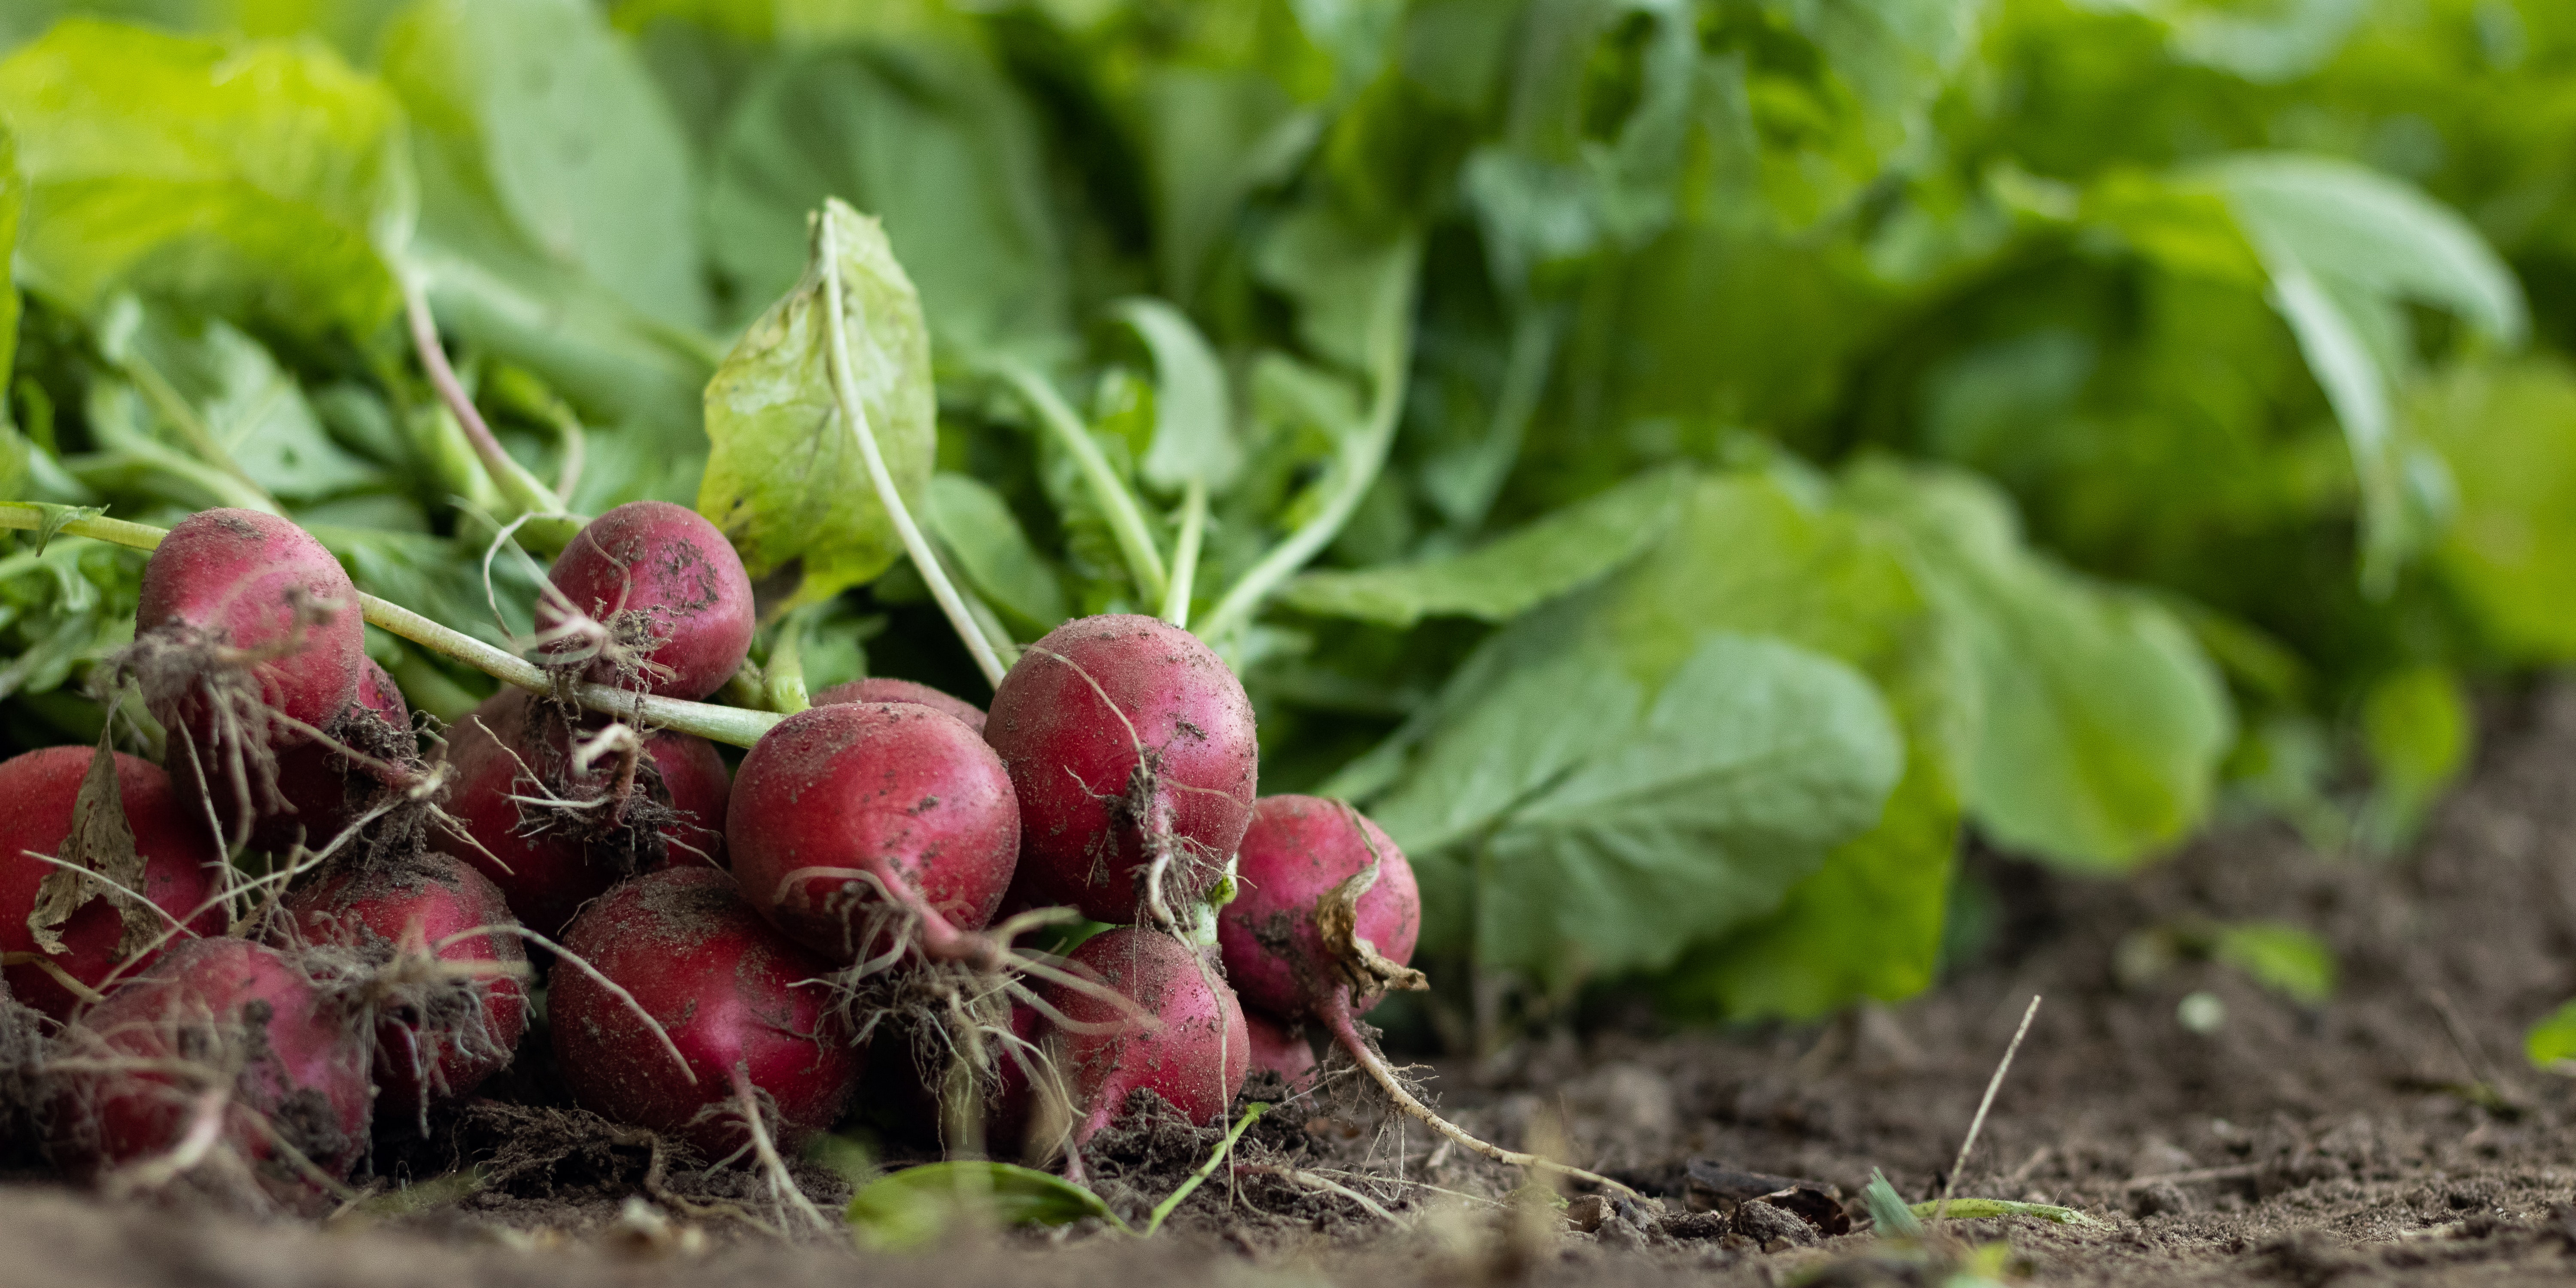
1511, 574
241, 400
540, 110
976, 525
785, 478
1194, 438
264, 177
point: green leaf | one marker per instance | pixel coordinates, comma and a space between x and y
2551, 1044
2280, 957
241, 399
931, 138
785, 479
13, 202
1194, 438
1506, 577
2098, 722
915, 1207
2509, 555
979, 530
2416, 723
537, 108
259, 178
1349, 287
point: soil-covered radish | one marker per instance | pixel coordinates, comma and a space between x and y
553, 834
1309, 867
449, 1007
851, 820
885, 689
1322, 924
325, 788
724, 986
668, 595
1278, 1050
1131, 745
1173, 1028
170, 860
225, 1061
247, 636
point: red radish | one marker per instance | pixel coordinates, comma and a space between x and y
1131, 744
450, 1011
550, 833
724, 986
1276, 1049
883, 689
39, 798
324, 788
843, 808
247, 634
1299, 855
1189, 1045
223, 1049
1322, 927
669, 594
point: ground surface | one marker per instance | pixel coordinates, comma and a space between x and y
2393, 1133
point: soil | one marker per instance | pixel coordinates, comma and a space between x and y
2394, 1132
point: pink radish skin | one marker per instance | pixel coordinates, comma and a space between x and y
1276, 1049
1297, 851
722, 983
1069, 720
217, 1004
899, 792
549, 862
237, 593
882, 689
442, 1039
1194, 1054
664, 581
38, 791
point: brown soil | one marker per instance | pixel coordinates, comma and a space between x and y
2394, 1132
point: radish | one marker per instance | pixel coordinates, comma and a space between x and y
1173, 1027
85, 930
554, 834
851, 817
884, 689
1276, 1049
1322, 928
324, 787
723, 986
658, 601
1131, 745
247, 641
224, 1053
450, 1007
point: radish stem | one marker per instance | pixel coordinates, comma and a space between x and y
845, 391
1185, 554
1337, 1016
524, 489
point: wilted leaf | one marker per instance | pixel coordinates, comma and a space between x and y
536, 107
1512, 573
101, 841
977, 526
260, 177
785, 478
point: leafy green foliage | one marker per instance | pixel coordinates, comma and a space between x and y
785, 478
266, 179
2551, 1043
2286, 959
915, 1207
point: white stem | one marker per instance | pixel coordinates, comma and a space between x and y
845, 390
1185, 554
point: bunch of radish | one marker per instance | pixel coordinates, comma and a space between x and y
721, 955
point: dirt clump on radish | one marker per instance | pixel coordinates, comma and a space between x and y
556, 808
449, 1006
886, 689
724, 987
227, 1065
1131, 745
658, 603
134, 831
